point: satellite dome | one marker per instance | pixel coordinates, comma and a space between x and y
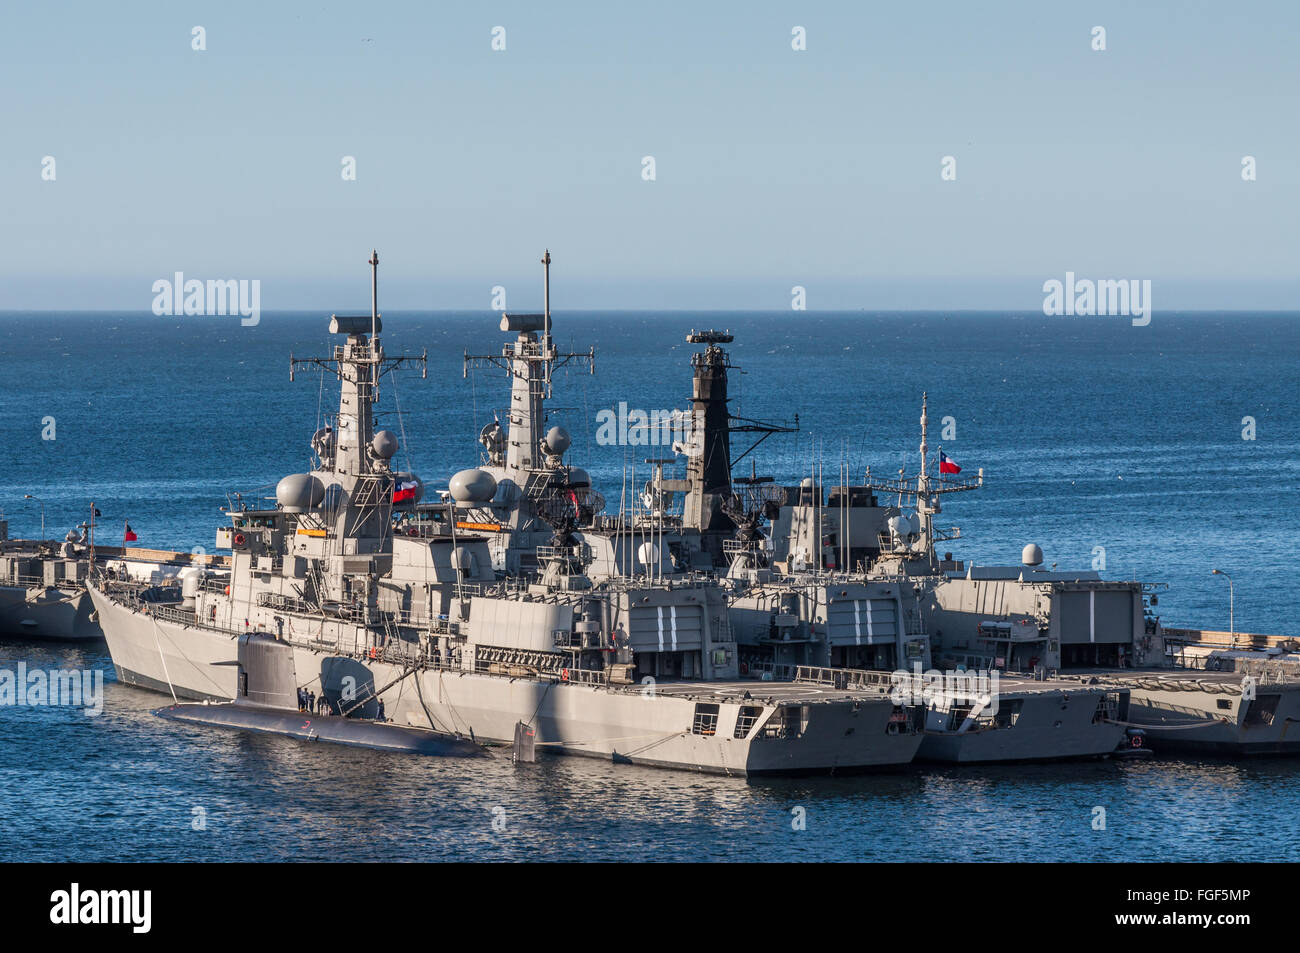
1032, 555
299, 492
648, 554
806, 483
384, 444
472, 486
557, 440
579, 477
903, 525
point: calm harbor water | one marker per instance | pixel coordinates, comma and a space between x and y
126, 785
1099, 440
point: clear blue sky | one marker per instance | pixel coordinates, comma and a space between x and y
774, 167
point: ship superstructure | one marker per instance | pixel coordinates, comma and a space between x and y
1075, 626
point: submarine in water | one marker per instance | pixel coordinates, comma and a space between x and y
267, 702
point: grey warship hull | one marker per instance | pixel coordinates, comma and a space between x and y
791, 729
43, 597
1208, 712
1047, 729
47, 614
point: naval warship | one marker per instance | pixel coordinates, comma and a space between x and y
383, 598
1186, 690
806, 605
43, 593
798, 618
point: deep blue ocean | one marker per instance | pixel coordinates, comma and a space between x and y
1091, 432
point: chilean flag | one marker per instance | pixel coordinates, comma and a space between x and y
946, 465
128, 536
405, 490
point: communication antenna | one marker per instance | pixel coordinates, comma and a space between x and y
374, 294
546, 315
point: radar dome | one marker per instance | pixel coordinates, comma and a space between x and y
579, 477
557, 440
648, 554
472, 486
903, 525
1032, 555
299, 492
384, 444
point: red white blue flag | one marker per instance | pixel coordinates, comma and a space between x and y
405, 490
946, 464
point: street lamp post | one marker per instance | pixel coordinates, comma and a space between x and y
28, 496
1232, 622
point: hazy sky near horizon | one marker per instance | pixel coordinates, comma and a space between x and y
773, 167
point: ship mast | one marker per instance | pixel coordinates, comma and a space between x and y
531, 363
926, 492
923, 501
374, 295
359, 466
546, 316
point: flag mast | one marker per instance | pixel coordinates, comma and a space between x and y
923, 480
374, 294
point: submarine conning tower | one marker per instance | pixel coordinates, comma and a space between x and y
708, 466
267, 676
